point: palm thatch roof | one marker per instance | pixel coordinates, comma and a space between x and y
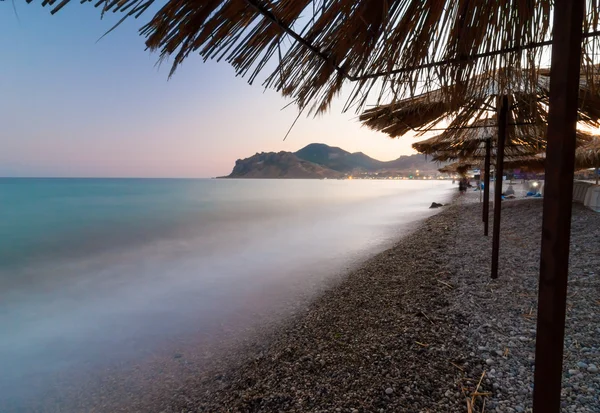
524, 140
532, 163
460, 168
475, 100
587, 156
311, 48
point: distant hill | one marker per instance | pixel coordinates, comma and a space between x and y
343, 161
280, 165
318, 160
337, 158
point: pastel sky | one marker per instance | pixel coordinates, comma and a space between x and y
74, 106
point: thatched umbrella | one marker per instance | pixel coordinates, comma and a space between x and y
587, 156
460, 168
470, 143
532, 163
519, 121
529, 108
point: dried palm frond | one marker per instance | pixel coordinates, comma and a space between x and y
400, 47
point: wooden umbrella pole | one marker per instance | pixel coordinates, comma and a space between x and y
596, 170
486, 187
558, 199
502, 125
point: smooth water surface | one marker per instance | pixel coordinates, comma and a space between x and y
99, 271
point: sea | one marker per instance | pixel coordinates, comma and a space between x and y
98, 274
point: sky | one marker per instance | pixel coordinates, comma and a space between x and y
75, 106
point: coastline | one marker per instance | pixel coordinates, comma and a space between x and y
372, 342
419, 327
422, 328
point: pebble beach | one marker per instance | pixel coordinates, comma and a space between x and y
421, 327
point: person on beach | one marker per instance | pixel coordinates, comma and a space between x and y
462, 185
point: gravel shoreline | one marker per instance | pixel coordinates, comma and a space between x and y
382, 340
417, 326
502, 312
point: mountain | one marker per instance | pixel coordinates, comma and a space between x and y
280, 165
337, 158
343, 161
318, 160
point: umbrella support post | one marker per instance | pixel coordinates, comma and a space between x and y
558, 199
486, 187
503, 107
596, 175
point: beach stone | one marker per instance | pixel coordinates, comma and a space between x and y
371, 315
592, 369
582, 365
389, 391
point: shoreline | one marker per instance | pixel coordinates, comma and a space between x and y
322, 359
144, 381
421, 327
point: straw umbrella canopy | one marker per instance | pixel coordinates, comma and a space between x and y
460, 168
587, 156
531, 163
529, 109
311, 48
470, 142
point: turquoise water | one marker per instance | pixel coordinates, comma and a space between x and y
101, 271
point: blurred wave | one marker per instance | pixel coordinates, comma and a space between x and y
97, 271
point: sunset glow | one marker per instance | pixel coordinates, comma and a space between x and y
76, 106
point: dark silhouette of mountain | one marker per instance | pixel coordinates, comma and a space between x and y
280, 165
318, 160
